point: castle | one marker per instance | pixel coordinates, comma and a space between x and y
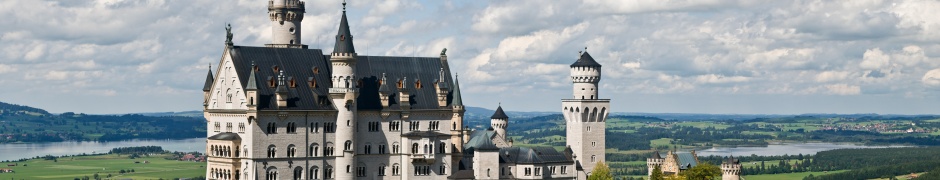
676, 162
283, 111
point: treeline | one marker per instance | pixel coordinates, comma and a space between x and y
14, 109
875, 163
137, 150
82, 127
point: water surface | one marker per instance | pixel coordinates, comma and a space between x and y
781, 149
26, 150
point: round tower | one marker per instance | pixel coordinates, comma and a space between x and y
653, 162
731, 169
499, 121
285, 18
585, 74
343, 93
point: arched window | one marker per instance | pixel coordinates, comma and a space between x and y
396, 148
381, 169
271, 174
414, 148
328, 172
361, 170
593, 158
291, 150
314, 173
347, 146
314, 150
298, 173
396, 169
272, 151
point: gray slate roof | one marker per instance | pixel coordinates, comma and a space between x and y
586, 61
534, 155
298, 65
209, 81
686, 160
499, 114
344, 39
225, 136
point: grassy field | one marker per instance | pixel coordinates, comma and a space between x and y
786, 176
77, 167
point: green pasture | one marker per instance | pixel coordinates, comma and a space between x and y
786, 176
78, 167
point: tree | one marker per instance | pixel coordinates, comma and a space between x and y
702, 171
657, 173
601, 172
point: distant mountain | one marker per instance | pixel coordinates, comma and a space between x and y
28, 124
7, 108
183, 114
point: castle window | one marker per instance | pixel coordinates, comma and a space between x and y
314, 172
593, 158
312, 82
314, 150
593, 143
271, 82
538, 171
218, 126
442, 148
347, 146
528, 171
414, 148
396, 148
271, 174
241, 127
361, 171
272, 151
291, 150
382, 170
328, 173
382, 149
564, 169
396, 170
315, 127
293, 84
316, 70
228, 127
418, 84
291, 31
367, 149
291, 127
275, 68
589, 128
443, 170
272, 128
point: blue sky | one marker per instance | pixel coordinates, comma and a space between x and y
681, 56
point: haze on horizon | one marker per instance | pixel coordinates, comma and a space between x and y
716, 56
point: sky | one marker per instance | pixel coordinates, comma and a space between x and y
658, 56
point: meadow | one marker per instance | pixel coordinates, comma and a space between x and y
152, 167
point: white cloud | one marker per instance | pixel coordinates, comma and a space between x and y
844, 89
932, 78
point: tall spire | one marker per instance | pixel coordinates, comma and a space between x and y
209, 80
344, 39
252, 83
457, 99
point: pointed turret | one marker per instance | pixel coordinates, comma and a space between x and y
457, 99
586, 61
499, 122
344, 39
209, 81
252, 83
251, 89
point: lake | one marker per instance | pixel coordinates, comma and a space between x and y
781, 149
26, 150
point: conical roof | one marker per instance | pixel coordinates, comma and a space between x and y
457, 99
209, 81
656, 155
252, 83
585, 61
344, 39
499, 114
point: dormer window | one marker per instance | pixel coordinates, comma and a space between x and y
275, 68
292, 83
271, 82
418, 84
312, 82
400, 84
316, 70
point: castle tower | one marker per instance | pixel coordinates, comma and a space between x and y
586, 114
731, 169
652, 162
499, 121
285, 18
343, 93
